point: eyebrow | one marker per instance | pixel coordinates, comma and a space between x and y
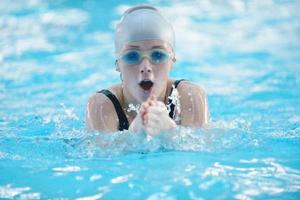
133, 46
138, 47
158, 46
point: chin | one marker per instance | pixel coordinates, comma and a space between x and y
144, 94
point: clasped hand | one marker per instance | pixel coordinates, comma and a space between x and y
153, 117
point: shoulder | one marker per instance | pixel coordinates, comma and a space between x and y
101, 114
187, 88
99, 99
193, 101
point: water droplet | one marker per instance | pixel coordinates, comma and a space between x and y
134, 108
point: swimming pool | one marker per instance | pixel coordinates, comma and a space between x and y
54, 55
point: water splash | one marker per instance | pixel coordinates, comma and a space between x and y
9, 192
217, 138
79, 143
175, 99
134, 108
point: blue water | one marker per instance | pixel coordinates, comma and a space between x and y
55, 54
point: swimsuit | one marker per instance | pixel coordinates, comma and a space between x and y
123, 121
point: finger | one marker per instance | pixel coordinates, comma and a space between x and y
153, 123
142, 109
145, 104
151, 117
146, 119
153, 97
158, 110
142, 113
161, 104
152, 103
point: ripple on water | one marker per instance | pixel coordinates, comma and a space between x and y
255, 177
103, 190
61, 171
9, 192
95, 177
121, 179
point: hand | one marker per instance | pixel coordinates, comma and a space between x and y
155, 116
137, 125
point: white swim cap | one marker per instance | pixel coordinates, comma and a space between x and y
143, 22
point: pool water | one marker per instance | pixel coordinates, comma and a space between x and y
55, 54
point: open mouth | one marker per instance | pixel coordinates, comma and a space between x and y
146, 84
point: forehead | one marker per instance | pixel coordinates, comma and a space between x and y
147, 44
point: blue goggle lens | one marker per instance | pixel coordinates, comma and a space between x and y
133, 57
158, 56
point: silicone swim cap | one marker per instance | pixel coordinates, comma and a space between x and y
143, 23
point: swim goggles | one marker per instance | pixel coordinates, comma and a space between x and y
155, 56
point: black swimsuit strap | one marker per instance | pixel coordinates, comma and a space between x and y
123, 121
172, 105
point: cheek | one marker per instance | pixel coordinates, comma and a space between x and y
162, 71
128, 73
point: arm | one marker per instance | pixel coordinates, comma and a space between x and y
100, 114
194, 107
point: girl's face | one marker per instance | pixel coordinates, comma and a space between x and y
145, 67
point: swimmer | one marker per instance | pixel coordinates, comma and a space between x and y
146, 100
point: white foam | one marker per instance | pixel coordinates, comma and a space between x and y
134, 108
9, 192
67, 169
95, 177
121, 179
175, 98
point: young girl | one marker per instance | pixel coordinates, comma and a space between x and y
144, 45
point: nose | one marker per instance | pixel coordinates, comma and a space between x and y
146, 66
